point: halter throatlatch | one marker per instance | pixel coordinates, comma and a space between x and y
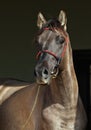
52, 53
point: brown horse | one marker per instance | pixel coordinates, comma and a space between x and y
53, 103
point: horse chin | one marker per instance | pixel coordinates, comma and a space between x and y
43, 81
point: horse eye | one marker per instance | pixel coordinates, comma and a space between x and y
60, 40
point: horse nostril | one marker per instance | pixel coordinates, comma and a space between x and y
45, 73
38, 72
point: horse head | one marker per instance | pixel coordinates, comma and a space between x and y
52, 40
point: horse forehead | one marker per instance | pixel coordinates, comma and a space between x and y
47, 36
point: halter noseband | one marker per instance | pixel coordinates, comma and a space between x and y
52, 53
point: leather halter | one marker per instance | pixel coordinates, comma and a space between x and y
52, 53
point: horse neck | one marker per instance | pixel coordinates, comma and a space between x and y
64, 88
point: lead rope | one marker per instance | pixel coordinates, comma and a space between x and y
34, 105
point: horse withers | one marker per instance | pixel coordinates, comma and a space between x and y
53, 102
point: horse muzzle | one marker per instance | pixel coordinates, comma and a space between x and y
44, 76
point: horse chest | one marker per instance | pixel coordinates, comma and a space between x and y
56, 118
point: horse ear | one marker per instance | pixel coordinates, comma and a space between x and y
62, 19
41, 20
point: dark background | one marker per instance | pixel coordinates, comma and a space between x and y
18, 29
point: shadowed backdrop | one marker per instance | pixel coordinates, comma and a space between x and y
18, 29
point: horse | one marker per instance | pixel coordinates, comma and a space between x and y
53, 101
